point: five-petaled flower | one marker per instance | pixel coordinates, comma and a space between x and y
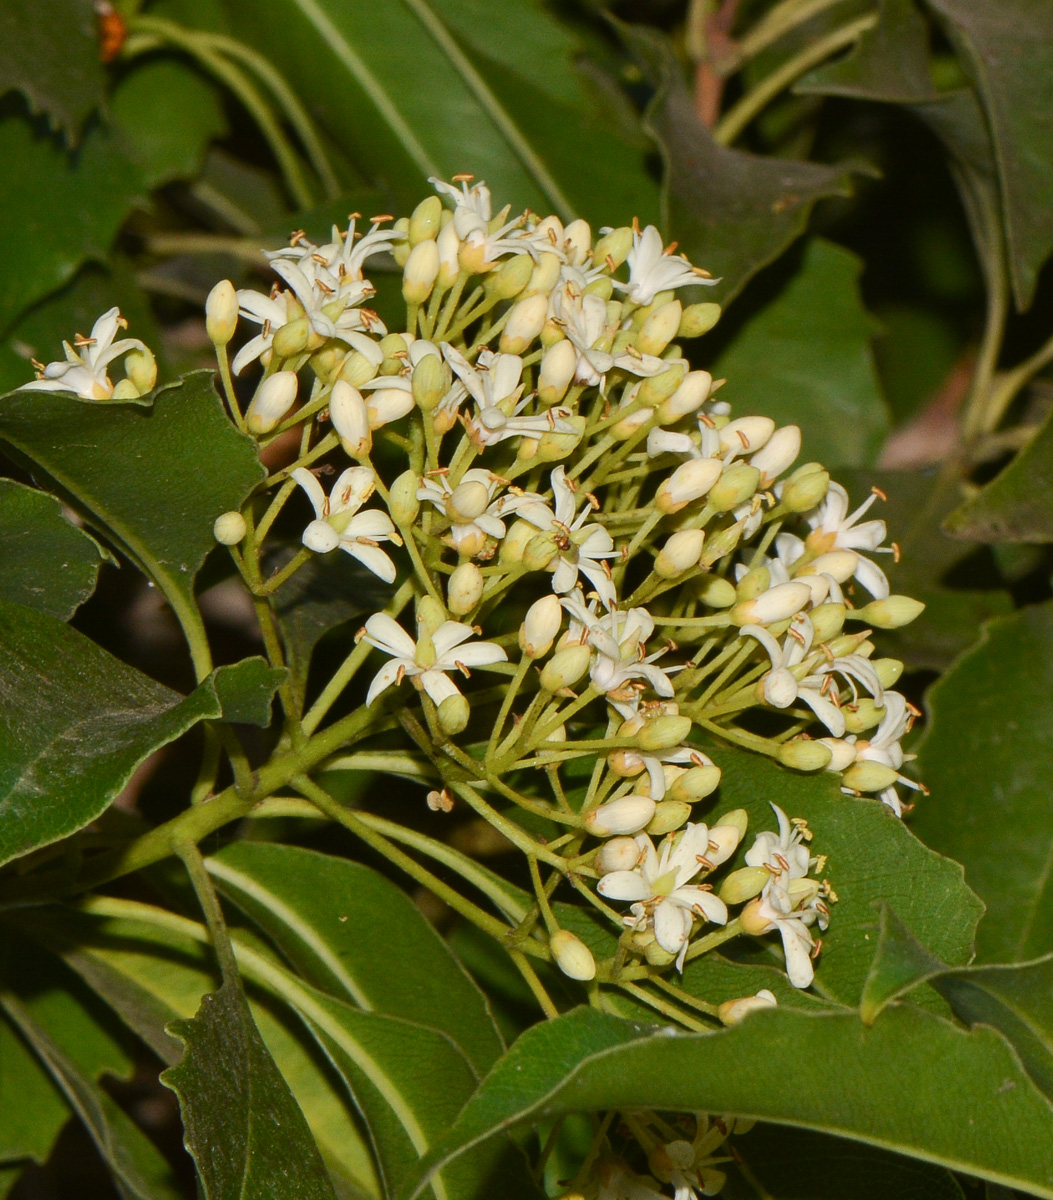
85, 369
338, 523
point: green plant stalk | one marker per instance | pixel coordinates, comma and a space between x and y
775, 24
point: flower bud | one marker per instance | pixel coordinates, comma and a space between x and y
465, 588
663, 733
840, 565
429, 382
778, 454
540, 626
426, 221
467, 501
628, 814
613, 248
724, 841
888, 671
805, 488
274, 397
776, 604
619, 854
698, 319
420, 272
564, 670
843, 753
862, 715
124, 389
577, 242
356, 369
720, 545
545, 275
141, 368
738, 483
752, 919
554, 447
658, 388
515, 542
866, 776
680, 553
572, 956
688, 397
753, 583
292, 338
602, 286
743, 884
539, 552
668, 815
689, 482
229, 528
801, 754
632, 423
746, 434
558, 364
221, 313
714, 591
525, 322
510, 278
731, 1012
347, 411
384, 405
695, 783
430, 615
891, 612
827, 621
449, 246
403, 504
736, 818
453, 712
659, 329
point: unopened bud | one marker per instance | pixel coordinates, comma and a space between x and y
572, 956
866, 776
454, 713
141, 368
753, 583
680, 553
719, 545
465, 589
558, 364
659, 329
776, 604
614, 246
714, 591
357, 369
395, 351
347, 411
525, 322
736, 818
753, 919
229, 528
632, 424
540, 626
658, 388
827, 621
292, 338
840, 565
668, 815
888, 671
619, 854
805, 488
628, 814
801, 754
577, 241
221, 313
431, 615
449, 246
467, 501
842, 752
723, 842
564, 670
862, 715
403, 504
545, 275
731, 1012
688, 398
778, 455
698, 319
274, 397
743, 884
695, 784
555, 447
746, 434
890, 613
515, 542
738, 483
689, 482
539, 552
420, 272
426, 221
663, 733
429, 383
510, 278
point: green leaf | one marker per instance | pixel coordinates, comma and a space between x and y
855, 1085
32, 1106
806, 359
871, 857
247, 1134
153, 478
987, 758
798, 1164
139, 1170
1007, 50
900, 964
733, 212
49, 564
1017, 505
76, 724
890, 62
67, 209
65, 83
330, 917
245, 690
415, 90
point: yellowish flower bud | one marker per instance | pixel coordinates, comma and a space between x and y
230, 528
141, 368
801, 754
515, 542
347, 412
403, 503
743, 884
572, 956
555, 447
695, 784
467, 501
356, 369
426, 221
866, 776
540, 626
862, 715
274, 397
668, 815
746, 434
778, 455
465, 589
806, 487
689, 482
525, 322
539, 552
292, 338
663, 733
420, 272
613, 248
680, 553
454, 713
619, 854
888, 671
545, 275
564, 670
659, 329
738, 483
628, 814
688, 397
698, 319
827, 621
658, 388
731, 1012
776, 604
736, 818
429, 382
558, 364
449, 246
221, 313
511, 277
890, 613
714, 591
753, 583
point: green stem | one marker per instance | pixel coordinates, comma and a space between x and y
207, 898
776, 24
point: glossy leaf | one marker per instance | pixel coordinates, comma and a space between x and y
1017, 505
153, 478
49, 564
139, 1170
245, 690
585, 1061
731, 211
67, 85
1007, 49
330, 917
806, 359
243, 1127
987, 758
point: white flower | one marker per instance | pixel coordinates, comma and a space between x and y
429, 659
475, 507
660, 889
86, 373
617, 1182
775, 910
884, 747
579, 547
652, 269
583, 318
338, 523
471, 220
784, 853
834, 528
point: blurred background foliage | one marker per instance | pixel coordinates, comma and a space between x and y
871, 181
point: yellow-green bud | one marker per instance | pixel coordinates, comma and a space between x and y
753, 583
680, 553
572, 956
465, 589
668, 815
657, 956
124, 389
657, 388
429, 382
602, 287
558, 364
688, 398
395, 350
577, 239
714, 591
613, 246
420, 272
719, 545
888, 671
698, 319
540, 626
695, 784
467, 501
403, 503
827, 621
453, 714
736, 486
743, 884
430, 615
274, 397
801, 754
563, 670
554, 447
663, 733
291, 339
776, 604
515, 542
864, 714
723, 842
141, 368
510, 278
356, 369
628, 814
400, 250
659, 329
866, 776
539, 552
221, 313
805, 488
689, 482
890, 613
350, 420
449, 245
230, 528
545, 275
525, 321
426, 221
737, 818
